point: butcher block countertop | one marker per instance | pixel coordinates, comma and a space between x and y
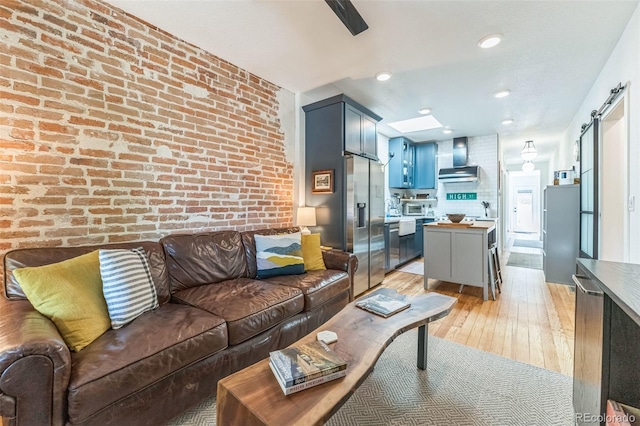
484, 225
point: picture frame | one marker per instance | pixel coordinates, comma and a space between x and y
322, 182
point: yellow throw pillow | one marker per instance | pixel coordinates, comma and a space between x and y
70, 294
311, 253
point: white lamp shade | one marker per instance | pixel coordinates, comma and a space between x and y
528, 166
306, 216
529, 152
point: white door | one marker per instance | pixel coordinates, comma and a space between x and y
524, 217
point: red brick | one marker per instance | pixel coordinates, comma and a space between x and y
8, 96
86, 122
22, 134
55, 41
84, 42
57, 128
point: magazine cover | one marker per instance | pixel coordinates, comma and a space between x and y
382, 305
300, 363
305, 385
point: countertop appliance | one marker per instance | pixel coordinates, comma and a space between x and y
565, 177
414, 209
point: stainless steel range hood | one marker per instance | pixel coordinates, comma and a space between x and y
460, 171
459, 174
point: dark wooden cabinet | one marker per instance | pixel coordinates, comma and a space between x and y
607, 332
424, 168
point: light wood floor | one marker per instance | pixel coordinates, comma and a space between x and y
531, 321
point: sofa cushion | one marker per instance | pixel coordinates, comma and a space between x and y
204, 258
249, 243
126, 284
279, 255
122, 362
39, 256
312, 253
70, 294
317, 286
249, 306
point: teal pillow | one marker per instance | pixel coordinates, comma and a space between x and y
279, 255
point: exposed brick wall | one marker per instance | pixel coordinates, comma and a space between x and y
112, 130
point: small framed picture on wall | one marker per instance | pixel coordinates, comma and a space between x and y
322, 182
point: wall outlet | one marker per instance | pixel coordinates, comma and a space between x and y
631, 203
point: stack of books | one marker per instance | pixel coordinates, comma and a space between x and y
300, 367
383, 305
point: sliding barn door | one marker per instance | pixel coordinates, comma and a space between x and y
589, 190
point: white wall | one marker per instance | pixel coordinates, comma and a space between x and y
623, 66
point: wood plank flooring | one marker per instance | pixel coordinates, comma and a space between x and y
531, 321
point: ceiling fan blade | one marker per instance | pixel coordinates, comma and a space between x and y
348, 14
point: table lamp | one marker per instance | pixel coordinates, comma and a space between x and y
306, 217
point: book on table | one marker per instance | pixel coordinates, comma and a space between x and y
302, 366
382, 305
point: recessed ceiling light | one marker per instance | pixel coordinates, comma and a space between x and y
427, 122
507, 121
447, 131
383, 76
424, 111
490, 41
502, 93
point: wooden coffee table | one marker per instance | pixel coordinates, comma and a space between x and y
253, 397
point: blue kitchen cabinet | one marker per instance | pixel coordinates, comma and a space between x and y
401, 164
425, 166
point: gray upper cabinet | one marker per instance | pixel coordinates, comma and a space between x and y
360, 135
345, 121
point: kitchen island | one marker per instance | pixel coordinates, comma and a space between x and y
458, 253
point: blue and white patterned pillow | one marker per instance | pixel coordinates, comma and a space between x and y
279, 255
126, 284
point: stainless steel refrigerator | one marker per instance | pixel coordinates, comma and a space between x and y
364, 220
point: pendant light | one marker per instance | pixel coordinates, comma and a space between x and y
529, 151
528, 166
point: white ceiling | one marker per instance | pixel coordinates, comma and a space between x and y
551, 54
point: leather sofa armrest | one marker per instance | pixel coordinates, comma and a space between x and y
35, 366
342, 261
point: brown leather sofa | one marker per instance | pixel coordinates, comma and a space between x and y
214, 318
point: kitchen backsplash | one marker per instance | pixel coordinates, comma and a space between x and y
483, 152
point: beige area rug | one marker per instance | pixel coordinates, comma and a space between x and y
461, 386
413, 268
525, 260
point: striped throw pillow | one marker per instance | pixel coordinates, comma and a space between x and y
279, 255
127, 285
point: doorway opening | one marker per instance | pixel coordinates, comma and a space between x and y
614, 217
523, 203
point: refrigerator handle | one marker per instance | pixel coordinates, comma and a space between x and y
361, 215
